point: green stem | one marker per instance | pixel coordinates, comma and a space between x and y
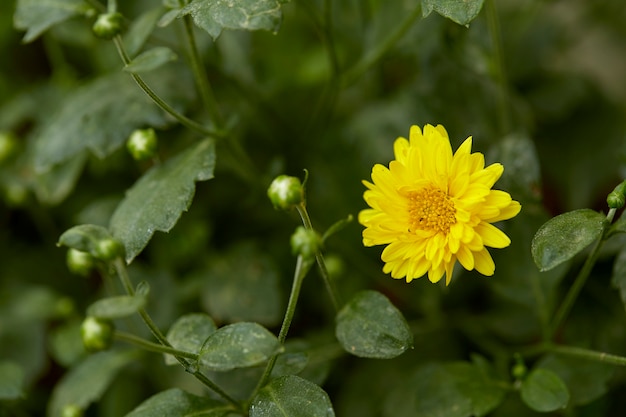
191, 124
330, 287
589, 354
504, 109
206, 93
112, 6
153, 347
381, 49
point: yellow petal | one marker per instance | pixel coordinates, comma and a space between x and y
484, 263
507, 212
492, 236
466, 258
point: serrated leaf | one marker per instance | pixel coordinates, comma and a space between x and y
459, 11
188, 334
120, 306
543, 391
370, 326
100, 116
564, 236
178, 403
11, 381
160, 196
87, 381
238, 345
141, 29
291, 396
217, 15
37, 16
84, 237
151, 60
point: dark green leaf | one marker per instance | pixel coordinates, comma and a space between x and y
188, 334
11, 381
151, 59
214, 16
37, 16
459, 11
291, 396
238, 345
84, 237
370, 326
564, 236
140, 30
56, 184
618, 278
242, 285
178, 403
544, 391
160, 196
87, 381
118, 306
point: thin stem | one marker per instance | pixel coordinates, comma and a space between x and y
381, 49
112, 6
504, 109
191, 124
153, 347
329, 38
589, 354
206, 93
330, 287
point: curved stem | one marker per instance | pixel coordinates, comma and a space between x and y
153, 347
575, 352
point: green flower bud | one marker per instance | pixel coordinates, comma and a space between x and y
97, 334
616, 200
108, 249
285, 192
305, 242
519, 369
108, 25
142, 144
79, 262
334, 265
8, 146
72, 410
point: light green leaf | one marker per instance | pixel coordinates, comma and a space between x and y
101, 115
544, 391
141, 29
242, 285
160, 196
37, 16
216, 15
370, 326
151, 59
291, 396
564, 236
290, 363
120, 306
188, 334
459, 11
178, 403
87, 381
11, 381
57, 183
84, 237
238, 345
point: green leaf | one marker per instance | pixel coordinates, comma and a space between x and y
457, 389
459, 11
11, 381
37, 16
216, 15
242, 285
178, 403
370, 326
188, 334
84, 237
160, 196
87, 381
100, 116
238, 345
151, 59
618, 277
291, 396
564, 236
544, 391
120, 306
55, 185
141, 29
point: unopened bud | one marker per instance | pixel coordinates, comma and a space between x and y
285, 192
108, 25
97, 334
305, 242
79, 262
72, 410
108, 249
8, 146
617, 198
142, 144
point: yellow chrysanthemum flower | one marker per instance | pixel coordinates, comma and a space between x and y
432, 207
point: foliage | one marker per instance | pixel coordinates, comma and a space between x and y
178, 250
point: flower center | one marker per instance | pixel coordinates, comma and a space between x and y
431, 209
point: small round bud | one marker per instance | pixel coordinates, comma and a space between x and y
64, 307
305, 242
285, 192
15, 194
8, 146
142, 144
519, 369
108, 249
72, 410
79, 262
616, 200
97, 334
108, 25
334, 265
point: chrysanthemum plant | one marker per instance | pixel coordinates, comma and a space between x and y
435, 208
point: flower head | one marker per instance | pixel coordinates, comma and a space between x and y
432, 208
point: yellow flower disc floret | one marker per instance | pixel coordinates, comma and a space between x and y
432, 208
